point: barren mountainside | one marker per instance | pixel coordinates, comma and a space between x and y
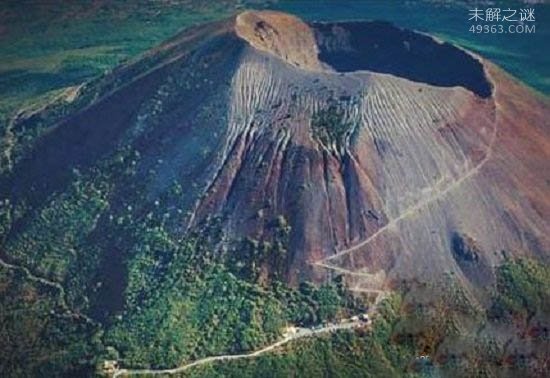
387, 155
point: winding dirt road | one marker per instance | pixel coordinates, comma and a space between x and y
416, 207
55, 285
301, 333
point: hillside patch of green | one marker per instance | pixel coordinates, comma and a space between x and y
522, 291
183, 303
359, 353
330, 127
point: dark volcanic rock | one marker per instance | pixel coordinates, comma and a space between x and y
464, 248
382, 47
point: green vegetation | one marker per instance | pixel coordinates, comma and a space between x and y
439, 322
523, 291
164, 299
38, 340
182, 303
433, 321
329, 126
250, 255
358, 353
161, 299
465, 338
53, 239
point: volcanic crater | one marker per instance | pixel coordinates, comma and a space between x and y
376, 145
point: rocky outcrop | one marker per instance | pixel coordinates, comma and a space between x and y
280, 34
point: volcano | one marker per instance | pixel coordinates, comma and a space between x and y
388, 154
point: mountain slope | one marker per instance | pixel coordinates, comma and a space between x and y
382, 161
